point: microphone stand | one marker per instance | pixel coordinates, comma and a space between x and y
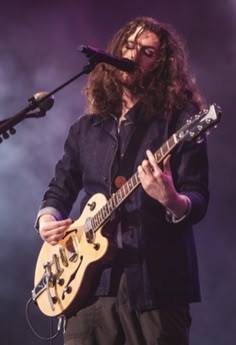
6, 125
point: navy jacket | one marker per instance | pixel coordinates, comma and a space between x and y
161, 266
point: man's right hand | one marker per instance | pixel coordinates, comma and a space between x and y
52, 230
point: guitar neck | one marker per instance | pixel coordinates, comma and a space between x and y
120, 196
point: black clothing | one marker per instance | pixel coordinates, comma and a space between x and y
109, 320
158, 257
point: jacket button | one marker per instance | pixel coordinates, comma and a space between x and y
105, 178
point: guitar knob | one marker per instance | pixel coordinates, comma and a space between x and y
68, 289
12, 131
60, 281
96, 246
92, 206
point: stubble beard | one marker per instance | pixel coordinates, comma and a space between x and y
136, 83
133, 82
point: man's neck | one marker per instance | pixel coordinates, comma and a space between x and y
128, 101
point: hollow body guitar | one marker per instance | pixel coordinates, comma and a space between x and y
65, 272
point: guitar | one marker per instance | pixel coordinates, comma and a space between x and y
64, 272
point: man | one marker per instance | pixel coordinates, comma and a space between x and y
143, 294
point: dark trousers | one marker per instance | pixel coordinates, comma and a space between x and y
109, 321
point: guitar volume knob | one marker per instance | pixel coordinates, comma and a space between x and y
68, 290
60, 281
96, 246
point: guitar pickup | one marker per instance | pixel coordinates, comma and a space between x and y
71, 250
63, 257
90, 236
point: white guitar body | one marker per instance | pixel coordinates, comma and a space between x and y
62, 271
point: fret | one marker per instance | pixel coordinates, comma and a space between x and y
161, 150
110, 205
175, 139
136, 179
118, 197
133, 182
114, 201
122, 190
103, 213
164, 149
158, 156
171, 143
168, 145
122, 195
129, 185
107, 209
95, 220
100, 218
126, 187
93, 223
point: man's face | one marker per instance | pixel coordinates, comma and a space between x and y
143, 49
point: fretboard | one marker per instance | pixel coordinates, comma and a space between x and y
120, 196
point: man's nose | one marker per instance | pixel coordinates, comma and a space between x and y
135, 53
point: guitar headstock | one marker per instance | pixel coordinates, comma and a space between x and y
200, 123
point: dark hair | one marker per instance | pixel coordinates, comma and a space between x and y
168, 88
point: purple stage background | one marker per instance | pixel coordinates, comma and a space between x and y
38, 51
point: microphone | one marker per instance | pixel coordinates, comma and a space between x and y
97, 55
42, 106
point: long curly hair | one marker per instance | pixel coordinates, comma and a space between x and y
167, 89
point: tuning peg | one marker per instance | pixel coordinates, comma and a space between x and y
12, 131
5, 135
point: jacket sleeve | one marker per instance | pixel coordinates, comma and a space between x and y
190, 172
67, 182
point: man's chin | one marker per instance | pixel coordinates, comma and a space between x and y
124, 77
128, 79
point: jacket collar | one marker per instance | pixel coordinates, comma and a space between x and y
134, 115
